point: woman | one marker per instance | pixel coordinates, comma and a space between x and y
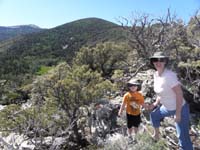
170, 96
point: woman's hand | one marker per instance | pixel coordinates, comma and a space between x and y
151, 106
155, 104
177, 118
145, 106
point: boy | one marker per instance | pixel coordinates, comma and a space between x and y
132, 100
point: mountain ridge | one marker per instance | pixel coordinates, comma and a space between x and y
50, 46
9, 32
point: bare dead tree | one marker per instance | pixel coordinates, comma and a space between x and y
193, 29
196, 17
147, 35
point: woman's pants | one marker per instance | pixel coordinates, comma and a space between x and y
182, 128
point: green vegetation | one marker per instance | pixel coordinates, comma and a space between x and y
56, 97
68, 68
43, 70
104, 57
25, 55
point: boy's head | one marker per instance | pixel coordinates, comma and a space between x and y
134, 83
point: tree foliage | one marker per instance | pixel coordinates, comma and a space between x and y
56, 101
72, 88
104, 57
169, 34
59, 92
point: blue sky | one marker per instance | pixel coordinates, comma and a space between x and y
52, 13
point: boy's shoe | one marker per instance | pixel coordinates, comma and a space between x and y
130, 140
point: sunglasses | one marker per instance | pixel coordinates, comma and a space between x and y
130, 85
158, 59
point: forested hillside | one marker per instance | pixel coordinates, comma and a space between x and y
28, 53
54, 82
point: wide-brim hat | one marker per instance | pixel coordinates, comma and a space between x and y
133, 82
159, 55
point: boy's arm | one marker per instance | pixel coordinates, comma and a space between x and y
144, 105
122, 108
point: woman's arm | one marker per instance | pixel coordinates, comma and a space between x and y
179, 101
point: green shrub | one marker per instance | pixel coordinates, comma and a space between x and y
43, 70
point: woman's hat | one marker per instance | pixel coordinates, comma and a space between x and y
159, 55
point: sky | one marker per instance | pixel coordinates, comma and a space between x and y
52, 13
